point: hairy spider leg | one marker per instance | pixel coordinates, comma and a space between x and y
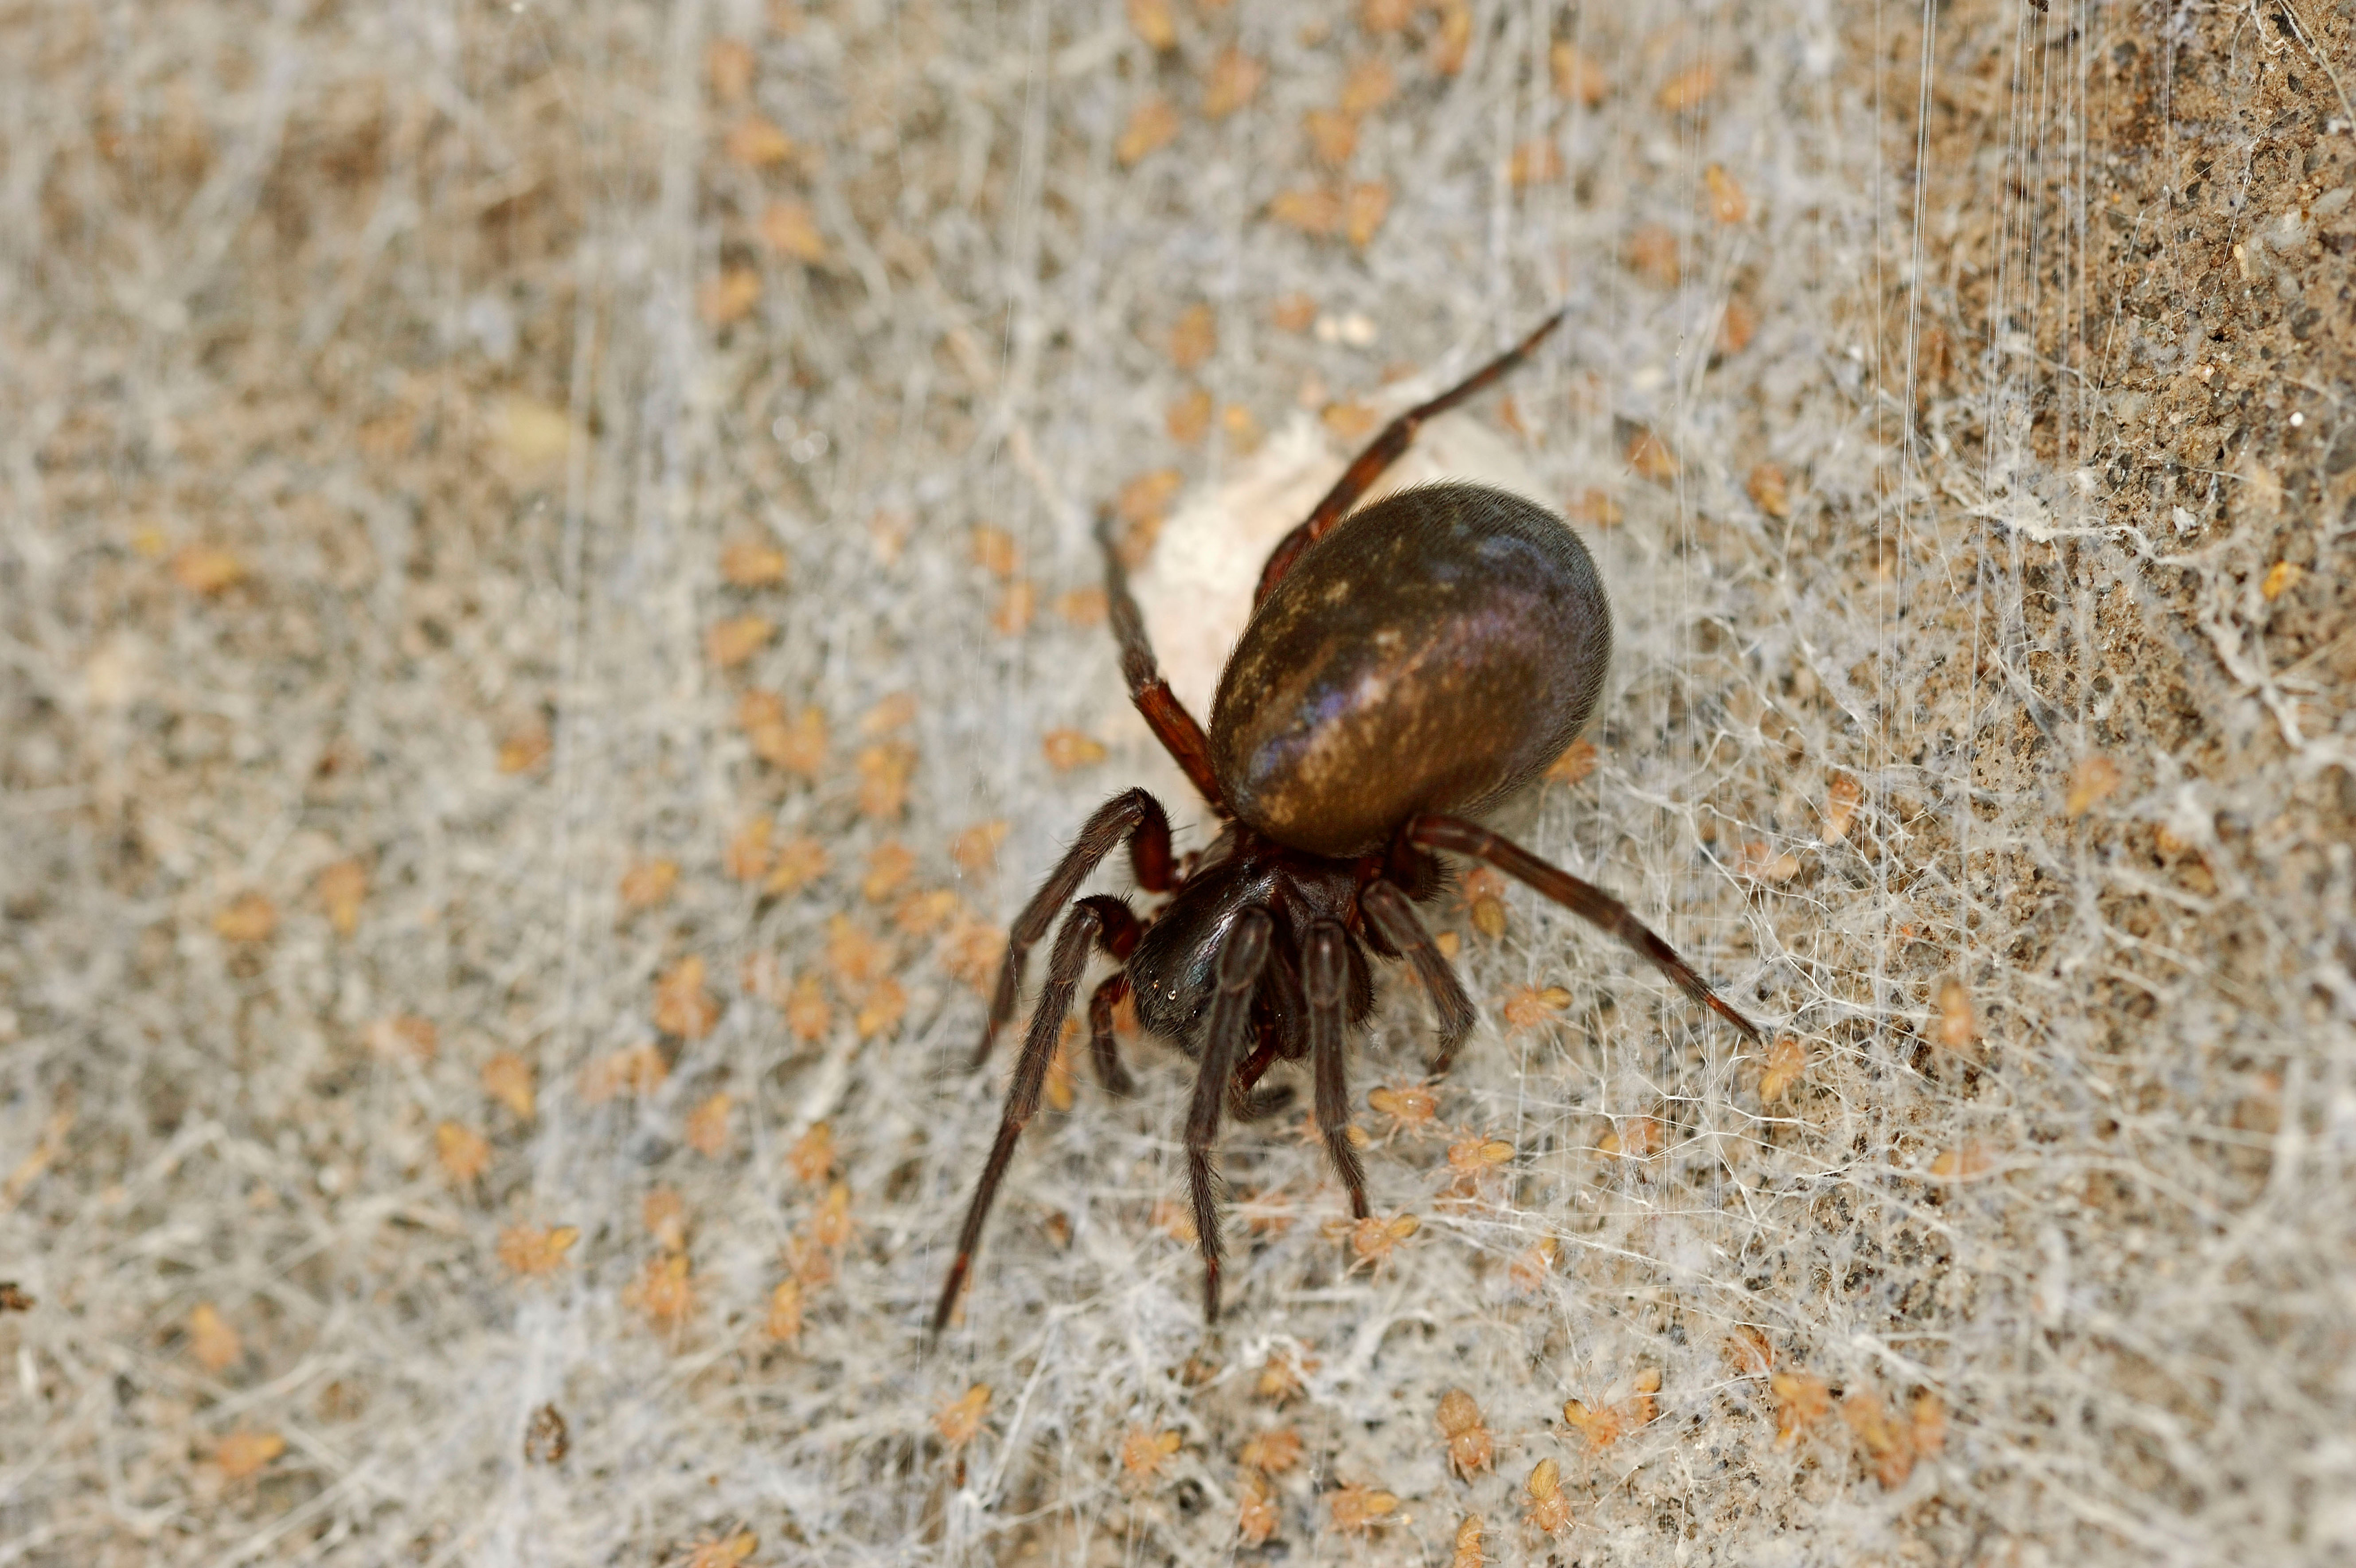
1134, 814
1167, 717
1385, 449
1280, 987
1326, 974
1101, 1047
1121, 929
1396, 919
1585, 900
1064, 966
1241, 957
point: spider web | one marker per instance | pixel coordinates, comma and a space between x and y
1955, 399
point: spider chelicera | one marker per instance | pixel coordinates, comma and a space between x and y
1399, 673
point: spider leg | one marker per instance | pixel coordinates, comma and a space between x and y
1386, 450
1134, 814
1241, 957
1242, 1104
1585, 900
1171, 725
1395, 919
1101, 1002
1064, 966
1325, 976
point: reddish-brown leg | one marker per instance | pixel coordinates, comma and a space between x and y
1132, 814
1325, 977
1101, 1003
1242, 958
1071, 956
1585, 900
1386, 450
1171, 725
1395, 917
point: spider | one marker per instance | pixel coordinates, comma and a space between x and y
1397, 675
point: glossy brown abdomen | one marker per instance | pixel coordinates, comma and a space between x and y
1434, 653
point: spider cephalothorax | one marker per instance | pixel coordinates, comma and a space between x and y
1426, 662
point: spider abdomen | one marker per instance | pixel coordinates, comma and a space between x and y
1433, 654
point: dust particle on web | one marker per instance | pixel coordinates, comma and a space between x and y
403, 1035
1188, 419
1364, 209
1650, 456
1653, 255
746, 857
1535, 162
1770, 490
1294, 313
811, 1160
1689, 89
884, 772
206, 570
1313, 211
1015, 608
889, 865
1195, 337
1068, 749
724, 1551
1595, 508
1959, 1024
728, 298
783, 1321
1737, 326
728, 64
546, 1439
1577, 761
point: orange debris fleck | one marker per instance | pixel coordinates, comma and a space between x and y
1255, 1516
1748, 1353
1801, 1400
528, 1250
2280, 578
1358, 1509
1153, 21
341, 888
682, 1005
1189, 419
795, 744
1452, 39
1015, 608
752, 563
1762, 862
811, 1158
729, 64
1170, 1217
1070, 749
757, 144
1688, 89
784, 1321
1380, 16
960, 1420
1364, 209
1737, 326
994, 550
1770, 490
1653, 255
853, 957
790, 228
464, 1152
1531, 1264
1968, 1161
1535, 162
635, 1070
648, 883
404, 1034
746, 859
1273, 1451
1370, 84
1596, 507
1348, 422
506, 1078
1152, 125
808, 1015
1787, 1061
730, 297
1650, 456
731, 642
1333, 135
1313, 211
2094, 780
207, 570
1574, 764
725, 1552
1294, 313
249, 917
664, 1213
883, 774
800, 861
707, 1126
1841, 801
243, 1453
1145, 500
1082, 606
211, 1340
884, 1006
1578, 75
1194, 338
1958, 1026
1233, 81
889, 865
1729, 203
664, 1292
